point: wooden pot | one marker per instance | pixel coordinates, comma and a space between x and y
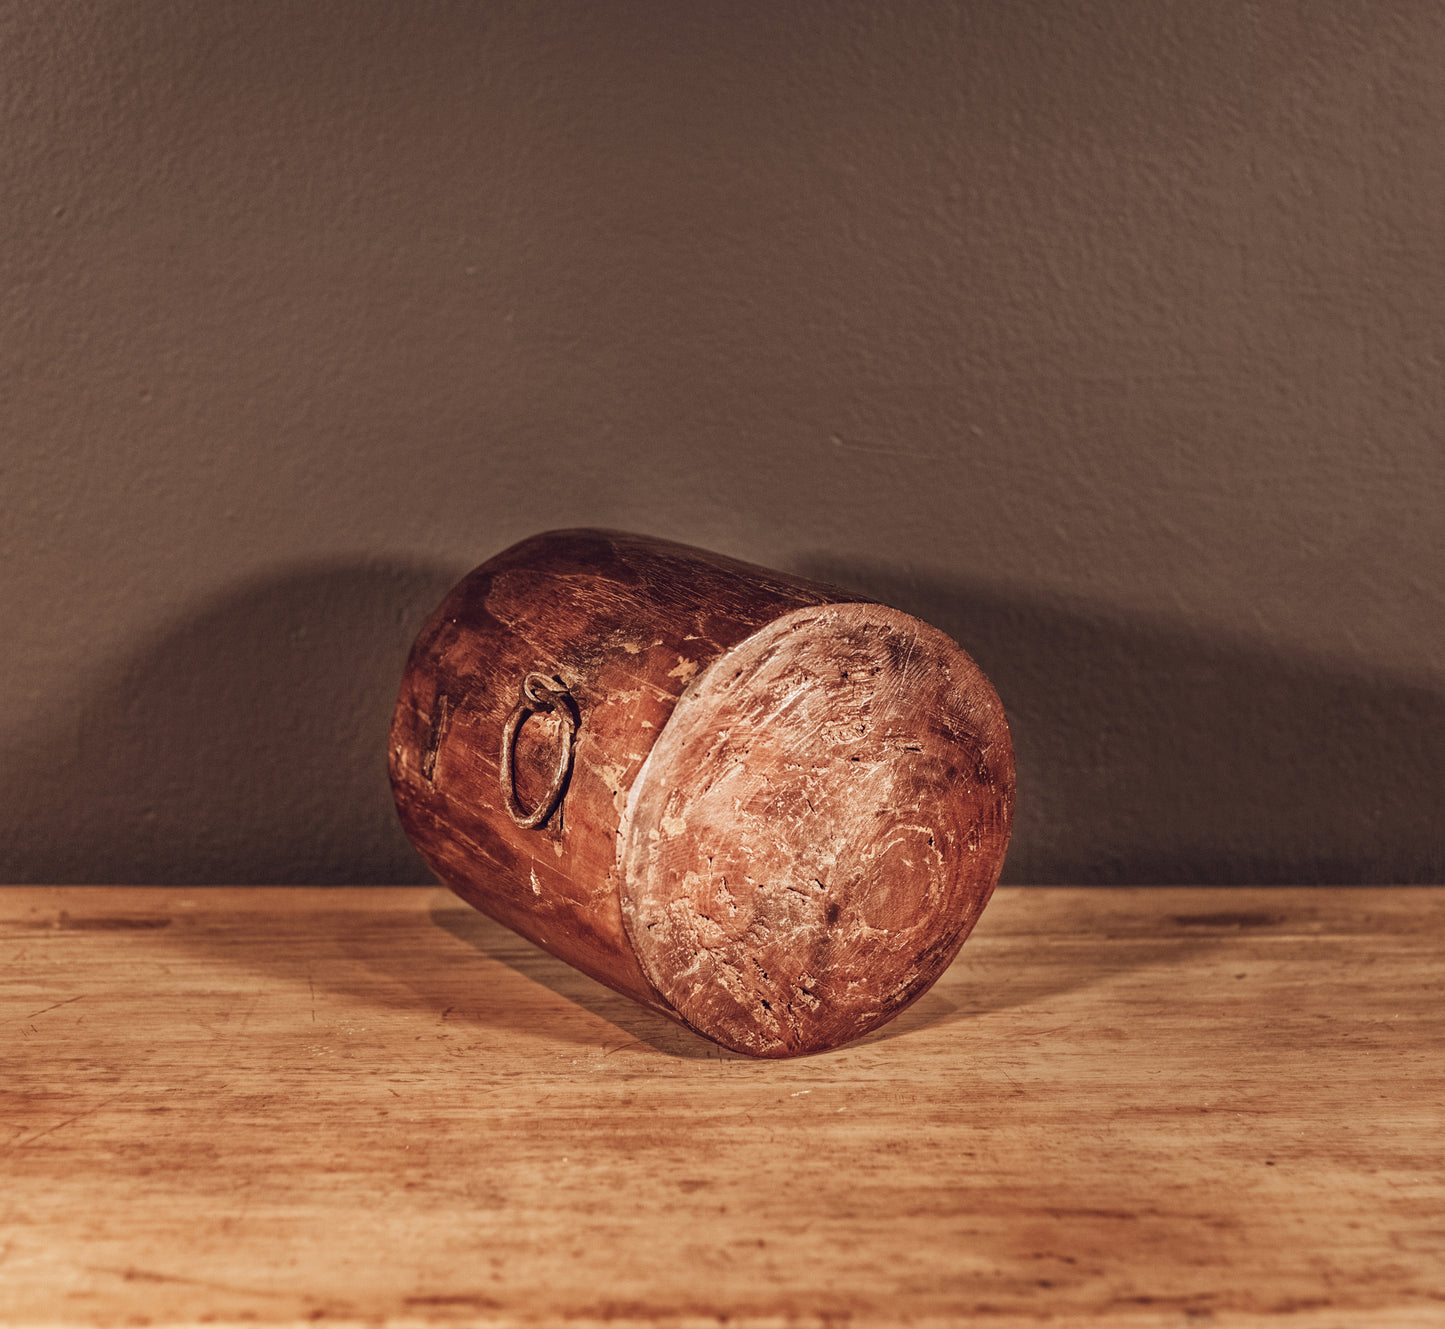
762, 806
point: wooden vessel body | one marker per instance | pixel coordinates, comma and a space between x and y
619, 880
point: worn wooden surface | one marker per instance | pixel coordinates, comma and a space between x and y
828, 822
817, 830
625, 622
1119, 1107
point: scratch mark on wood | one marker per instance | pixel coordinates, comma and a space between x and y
250, 1011
441, 714
55, 1007
66, 923
1244, 918
131, 1274
50, 1130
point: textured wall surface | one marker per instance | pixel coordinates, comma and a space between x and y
1106, 336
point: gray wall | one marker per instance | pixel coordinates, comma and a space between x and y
1108, 336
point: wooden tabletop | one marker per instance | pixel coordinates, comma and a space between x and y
1181, 1107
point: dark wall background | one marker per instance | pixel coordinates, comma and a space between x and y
1108, 336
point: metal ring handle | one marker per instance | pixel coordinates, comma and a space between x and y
538, 693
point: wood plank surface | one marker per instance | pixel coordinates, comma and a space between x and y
1173, 1107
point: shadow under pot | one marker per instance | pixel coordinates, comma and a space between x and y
759, 805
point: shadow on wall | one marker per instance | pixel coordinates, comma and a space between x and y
247, 745
1150, 755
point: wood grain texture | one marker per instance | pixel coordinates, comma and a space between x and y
817, 829
826, 818
625, 622
375, 1106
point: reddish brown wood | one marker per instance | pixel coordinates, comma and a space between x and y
787, 806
